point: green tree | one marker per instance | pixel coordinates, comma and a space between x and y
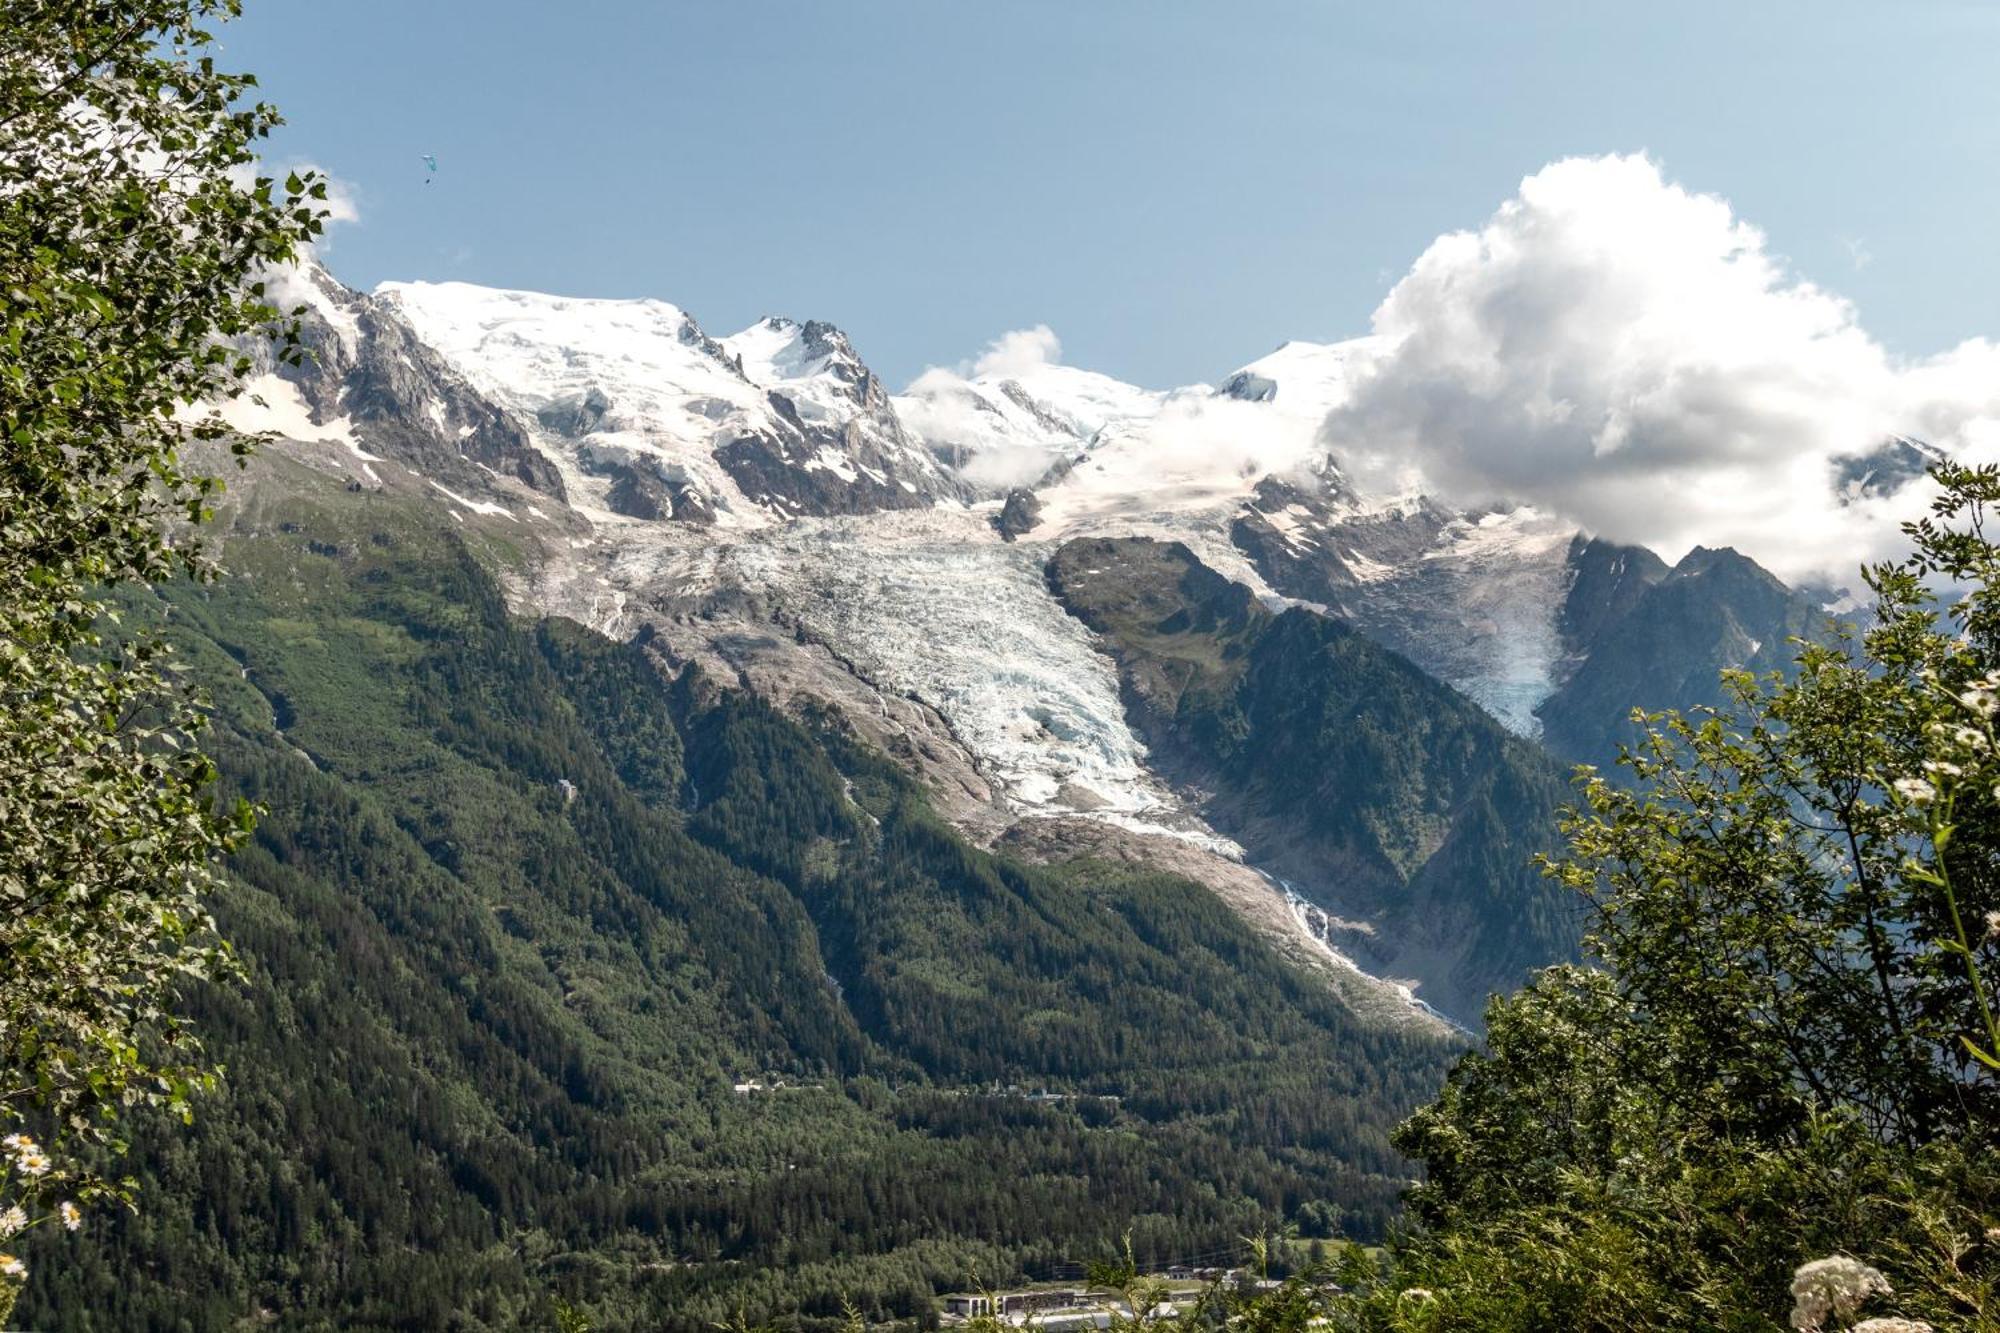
1785, 1048
132, 231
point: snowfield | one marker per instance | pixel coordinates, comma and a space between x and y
641, 383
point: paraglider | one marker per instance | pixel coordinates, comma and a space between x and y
430, 167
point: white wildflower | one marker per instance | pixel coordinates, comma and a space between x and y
71, 1218
13, 1220
1993, 925
32, 1164
1892, 1326
12, 1267
1969, 738
1417, 1294
1915, 790
1943, 767
1832, 1288
1980, 699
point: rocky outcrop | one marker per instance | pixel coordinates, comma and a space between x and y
1716, 609
404, 401
1248, 386
1607, 581
810, 469
1019, 515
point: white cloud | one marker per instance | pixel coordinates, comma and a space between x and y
1628, 353
1006, 416
342, 202
1018, 352
343, 206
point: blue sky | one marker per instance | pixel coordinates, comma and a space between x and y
1173, 187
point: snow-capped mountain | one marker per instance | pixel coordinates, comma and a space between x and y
651, 418
760, 506
1237, 471
368, 375
1009, 427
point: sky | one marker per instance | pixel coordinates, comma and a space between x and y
1174, 188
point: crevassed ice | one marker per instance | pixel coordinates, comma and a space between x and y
971, 631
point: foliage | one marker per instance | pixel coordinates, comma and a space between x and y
1784, 1052
130, 232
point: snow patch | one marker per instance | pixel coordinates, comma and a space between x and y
269, 403
477, 506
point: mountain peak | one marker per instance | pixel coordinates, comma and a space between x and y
1722, 560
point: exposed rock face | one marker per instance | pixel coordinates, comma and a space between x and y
1318, 544
407, 401
818, 467
1249, 386
1676, 632
575, 418
1018, 517
1607, 582
823, 343
1884, 469
403, 400
1472, 598
643, 487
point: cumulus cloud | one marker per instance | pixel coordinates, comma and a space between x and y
1018, 351
290, 286
343, 206
1629, 353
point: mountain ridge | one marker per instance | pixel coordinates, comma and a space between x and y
719, 493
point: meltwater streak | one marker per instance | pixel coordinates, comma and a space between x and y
1314, 920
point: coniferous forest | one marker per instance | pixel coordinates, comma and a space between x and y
486, 1047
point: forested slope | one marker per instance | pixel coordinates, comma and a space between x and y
521, 913
1389, 796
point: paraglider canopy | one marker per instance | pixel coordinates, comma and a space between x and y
430, 166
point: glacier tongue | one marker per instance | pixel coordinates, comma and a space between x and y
1507, 574
963, 622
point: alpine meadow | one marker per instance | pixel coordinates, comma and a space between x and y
524, 811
